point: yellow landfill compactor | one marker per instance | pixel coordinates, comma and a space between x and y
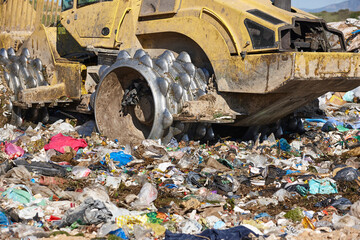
170, 68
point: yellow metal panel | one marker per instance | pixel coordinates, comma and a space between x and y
321, 66
127, 10
228, 27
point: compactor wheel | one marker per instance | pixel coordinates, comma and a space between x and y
20, 72
137, 97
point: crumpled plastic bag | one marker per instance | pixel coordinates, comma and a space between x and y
13, 151
147, 195
347, 174
89, 212
282, 194
96, 192
130, 220
86, 129
120, 158
61, 127
190, 227
322, 186
18, 195
4, 220
59, 142
30, 212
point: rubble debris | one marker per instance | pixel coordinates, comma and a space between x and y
58, 183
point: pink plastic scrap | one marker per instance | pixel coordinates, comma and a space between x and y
13, 151
59, 141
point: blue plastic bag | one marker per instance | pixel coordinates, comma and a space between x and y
119, 233
4, 221
120, 158
284, 145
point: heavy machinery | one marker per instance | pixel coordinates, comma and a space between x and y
173, 67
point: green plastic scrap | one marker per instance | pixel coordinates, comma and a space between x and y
302, 190
18, 195
152, 218
295, 215
226, 163
342, 128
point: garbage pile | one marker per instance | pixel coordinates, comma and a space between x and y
351, 31
61, 181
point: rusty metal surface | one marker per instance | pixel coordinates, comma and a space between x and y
265, 73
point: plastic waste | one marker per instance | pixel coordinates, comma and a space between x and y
80, 172
190, 227
267, 201
349, 96
130, 220
147, 195
119, 233
120, 158
226, 183
86, 129
29, 213
163, 166
42, 168
51, 181
257, 160
18, 195
113, 182
195, 179
24, 230
61, 127
272, 173
261, 215
282, 194
284, 145
333, 125
158, 229
13, 151
322, 186
347, 174
89, 212
5, 167
339, 203
4, 220
141, 232
59, 142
